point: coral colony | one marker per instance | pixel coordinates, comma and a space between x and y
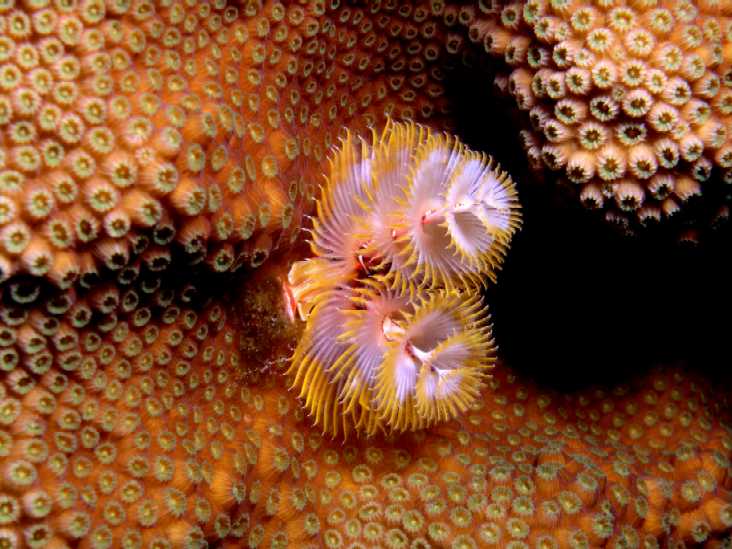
407, 227
157, 160
629, 102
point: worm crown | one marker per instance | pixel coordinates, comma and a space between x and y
408, 227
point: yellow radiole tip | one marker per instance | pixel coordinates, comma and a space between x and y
409, 225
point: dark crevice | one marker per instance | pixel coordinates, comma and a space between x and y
578, 303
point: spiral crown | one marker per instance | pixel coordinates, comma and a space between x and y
407, 228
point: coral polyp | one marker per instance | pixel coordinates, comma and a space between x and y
407, 228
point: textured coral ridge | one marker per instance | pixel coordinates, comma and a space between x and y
645, 465
141, 420
188, 123
407, 227
629, 101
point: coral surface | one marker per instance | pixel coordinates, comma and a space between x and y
197, 124
154, 418
140, 398
629, 101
